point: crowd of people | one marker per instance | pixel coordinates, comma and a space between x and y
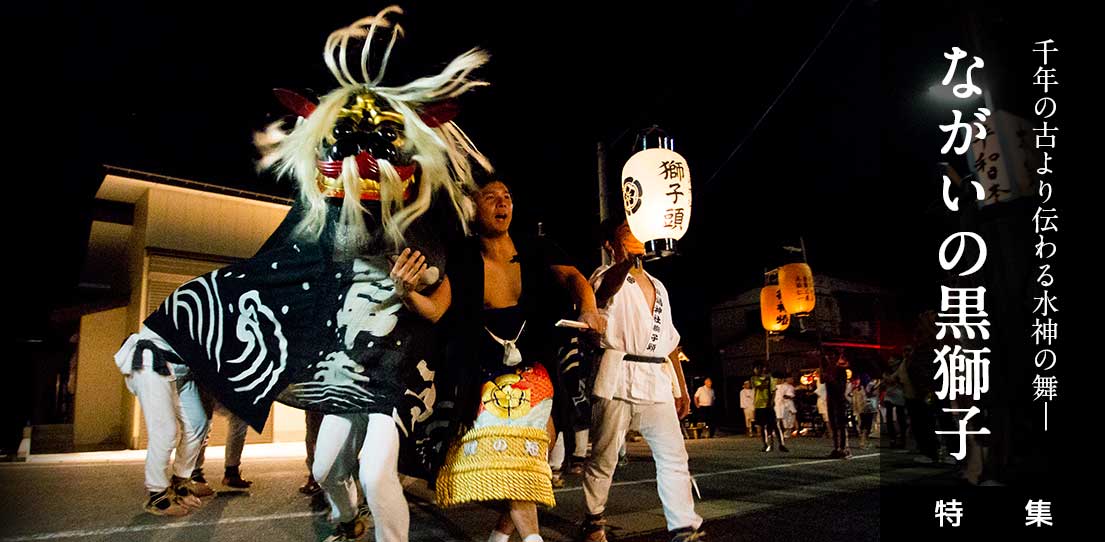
628, 315
396, 306
837, 401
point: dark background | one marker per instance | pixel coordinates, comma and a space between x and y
845, 158
178, 90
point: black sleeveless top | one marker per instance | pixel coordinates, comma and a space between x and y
473, 357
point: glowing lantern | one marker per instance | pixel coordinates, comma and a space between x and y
774, 317
796, 283
656, 191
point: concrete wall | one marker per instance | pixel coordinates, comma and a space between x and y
136, 265
289, 424
98, 406
129, 413
203, 223
173, 219
108, 257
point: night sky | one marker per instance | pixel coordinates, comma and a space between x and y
845, 159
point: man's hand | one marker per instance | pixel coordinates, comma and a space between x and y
682, 406
633, 247
594, 319
407, 272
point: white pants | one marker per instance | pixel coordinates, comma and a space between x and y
558, 451
556, 454
582, 441
167, 404
660, 428
785, 415
336, 455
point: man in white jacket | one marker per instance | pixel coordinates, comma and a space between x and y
638, 379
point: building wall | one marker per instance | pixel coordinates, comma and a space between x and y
727, 322
288, 424
202, 223
130, 414
136, 268
100, 388
172, 219
106, 266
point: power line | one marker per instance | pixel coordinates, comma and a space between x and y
777, 98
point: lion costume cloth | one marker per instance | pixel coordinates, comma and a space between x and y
313, 319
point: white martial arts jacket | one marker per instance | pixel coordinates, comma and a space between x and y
632, 327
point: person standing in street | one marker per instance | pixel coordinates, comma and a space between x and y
748, 406
704, 401
639, 379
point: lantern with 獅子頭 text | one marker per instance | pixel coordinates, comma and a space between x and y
656, 191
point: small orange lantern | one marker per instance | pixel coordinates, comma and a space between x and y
796, 284
772, 313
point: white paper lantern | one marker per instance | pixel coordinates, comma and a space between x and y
656, 191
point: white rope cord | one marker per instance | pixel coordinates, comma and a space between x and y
337, 44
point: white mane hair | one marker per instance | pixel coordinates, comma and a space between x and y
444, 153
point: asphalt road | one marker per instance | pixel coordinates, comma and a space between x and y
744, 495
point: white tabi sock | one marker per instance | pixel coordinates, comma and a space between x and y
533, 538
496, 536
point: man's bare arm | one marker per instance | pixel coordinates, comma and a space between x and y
612, 281
570, 278
431, 307
683, 402
406, 274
